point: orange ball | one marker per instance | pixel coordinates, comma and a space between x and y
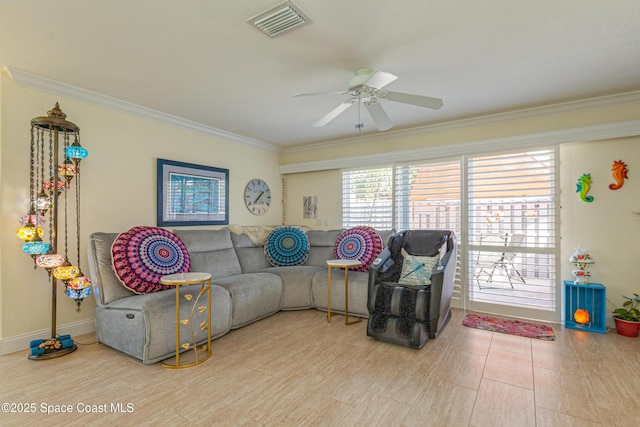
581, 316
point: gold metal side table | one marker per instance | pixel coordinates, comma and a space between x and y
202, 353
344, 264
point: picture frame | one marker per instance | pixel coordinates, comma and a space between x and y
310, 207
190, 194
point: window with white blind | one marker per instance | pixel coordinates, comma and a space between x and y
428, 196
512, 229
367, 198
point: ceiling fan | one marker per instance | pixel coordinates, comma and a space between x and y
366, 88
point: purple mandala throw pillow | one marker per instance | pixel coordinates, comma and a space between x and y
142, 255
360, 243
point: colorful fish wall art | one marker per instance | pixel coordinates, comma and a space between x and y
619, 170
583, 186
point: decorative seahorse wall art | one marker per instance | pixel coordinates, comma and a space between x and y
619, 170
583, 186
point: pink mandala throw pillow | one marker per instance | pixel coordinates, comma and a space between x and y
142, 255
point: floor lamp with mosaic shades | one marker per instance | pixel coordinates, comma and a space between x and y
50, 135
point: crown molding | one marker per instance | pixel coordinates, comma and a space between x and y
44, 84
525, 142
528, 113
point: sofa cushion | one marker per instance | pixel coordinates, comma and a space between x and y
142, 255
361, 243
296, 285
321, 243
358, 291
105, 283
250, 253
211, 251
286, 246
253, 295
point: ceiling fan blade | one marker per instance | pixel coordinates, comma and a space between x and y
407, 98
320, 93
380, 79
378, 114
335, 112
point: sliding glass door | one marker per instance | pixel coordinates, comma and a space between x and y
502, 209
512, 216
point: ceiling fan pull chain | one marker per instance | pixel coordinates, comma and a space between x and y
359, 125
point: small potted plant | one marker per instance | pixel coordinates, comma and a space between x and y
627, 317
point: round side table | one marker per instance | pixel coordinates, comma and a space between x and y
202, 353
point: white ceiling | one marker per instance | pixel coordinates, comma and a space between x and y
200, 60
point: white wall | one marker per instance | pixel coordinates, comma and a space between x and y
607, 226
326, 186
118, 191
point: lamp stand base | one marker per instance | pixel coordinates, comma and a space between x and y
54, 354
52, 348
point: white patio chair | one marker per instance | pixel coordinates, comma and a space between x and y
488, 262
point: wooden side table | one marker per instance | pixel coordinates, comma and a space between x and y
204, 352
344, 264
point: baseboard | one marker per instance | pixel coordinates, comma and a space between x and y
21, 342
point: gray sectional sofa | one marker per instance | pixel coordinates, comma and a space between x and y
245, 288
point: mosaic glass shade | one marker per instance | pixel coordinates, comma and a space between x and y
36, 247
67, 169
78, 294
37, 220
79, 282
43, 202
76, 151
66, 272
29, 232
50, 260
48, 186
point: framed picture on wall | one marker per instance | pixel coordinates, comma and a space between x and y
190, 194
310, 207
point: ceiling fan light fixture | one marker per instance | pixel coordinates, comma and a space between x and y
361, 77
365, 88
280, 19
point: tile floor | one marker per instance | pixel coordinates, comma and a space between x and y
294, 369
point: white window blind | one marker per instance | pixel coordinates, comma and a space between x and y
512, 229
367, 197
428, 196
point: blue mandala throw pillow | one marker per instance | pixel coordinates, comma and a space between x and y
286, 246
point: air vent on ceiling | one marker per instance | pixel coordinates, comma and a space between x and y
280, 19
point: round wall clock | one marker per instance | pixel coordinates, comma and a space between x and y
257, 196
